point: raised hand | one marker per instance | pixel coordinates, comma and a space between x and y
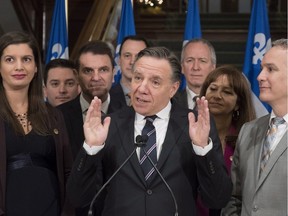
94, 130
199, 130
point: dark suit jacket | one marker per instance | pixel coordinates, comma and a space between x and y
72, 113
63, 156
181, 98
117, 94
128, 194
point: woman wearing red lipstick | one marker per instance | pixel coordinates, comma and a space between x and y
35, 157
230, 103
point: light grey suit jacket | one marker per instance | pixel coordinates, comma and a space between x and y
264, 195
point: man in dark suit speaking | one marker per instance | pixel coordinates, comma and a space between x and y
184, 146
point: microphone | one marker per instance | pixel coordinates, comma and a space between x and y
140, 141
144, 139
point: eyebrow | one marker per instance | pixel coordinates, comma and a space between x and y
104, 67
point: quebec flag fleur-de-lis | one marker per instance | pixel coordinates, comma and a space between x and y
261, 46
58, 43
258, 43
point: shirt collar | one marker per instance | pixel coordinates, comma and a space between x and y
163, 114
85, 105
273, 116
125, 89
189, 91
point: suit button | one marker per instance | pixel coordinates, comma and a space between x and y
211, 167
80, 165
255, 208
149, 192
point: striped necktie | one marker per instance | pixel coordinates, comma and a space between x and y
270, 137
150, 148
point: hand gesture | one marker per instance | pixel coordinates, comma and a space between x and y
199, 130
94, 130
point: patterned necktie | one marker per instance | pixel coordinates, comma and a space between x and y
150, 148
194, 101
270, 137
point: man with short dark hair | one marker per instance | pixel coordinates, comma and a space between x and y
60, 81
130, 47
95, 65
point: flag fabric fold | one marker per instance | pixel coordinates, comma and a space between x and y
258, 43
58, 42
192, 29
192, 24
126, 28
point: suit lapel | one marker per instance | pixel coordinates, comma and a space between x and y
276, 154
259, 141
125, 126
176, 126
76, 125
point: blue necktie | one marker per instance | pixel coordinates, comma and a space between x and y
270, 137
150, 148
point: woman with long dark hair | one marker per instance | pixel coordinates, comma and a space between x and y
35, 157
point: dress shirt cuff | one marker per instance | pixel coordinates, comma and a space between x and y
202, 151
92, 150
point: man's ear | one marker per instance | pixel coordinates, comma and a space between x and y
174, 89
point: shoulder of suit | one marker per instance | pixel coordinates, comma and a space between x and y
71, 103
258, 122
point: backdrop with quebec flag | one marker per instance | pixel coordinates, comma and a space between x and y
192, 29
127, 27
58, 40
258, 43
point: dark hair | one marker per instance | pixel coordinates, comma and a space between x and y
37, 111
203, 41
59, 63
134, 38
163, 53
242, 89
96, 48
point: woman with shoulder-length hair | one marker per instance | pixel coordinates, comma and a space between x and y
35, 156
229, 100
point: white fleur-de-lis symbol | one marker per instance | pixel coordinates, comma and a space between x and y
58, 52
261, 46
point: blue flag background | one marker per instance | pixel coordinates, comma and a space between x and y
258, 42
58, 42
192, 25
127, 27
192, 29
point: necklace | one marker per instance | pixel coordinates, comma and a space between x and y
25, 123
